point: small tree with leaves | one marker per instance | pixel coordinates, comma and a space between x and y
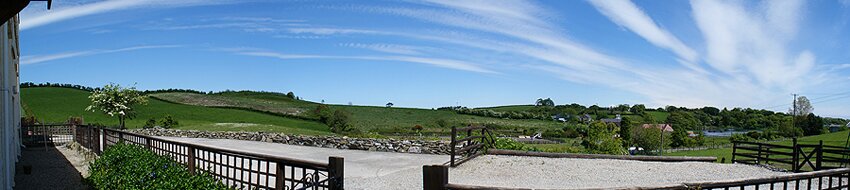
115, 100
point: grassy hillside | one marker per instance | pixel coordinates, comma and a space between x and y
52, 104
366, 118
835, 139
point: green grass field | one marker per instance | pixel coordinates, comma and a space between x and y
54, 105
244, 111
835, 139
383, 120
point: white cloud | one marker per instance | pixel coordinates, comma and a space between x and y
627, 14
32, 19
439, 62
388, 48
753, 42
32, 59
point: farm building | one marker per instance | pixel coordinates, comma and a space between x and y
664, 127
10, 105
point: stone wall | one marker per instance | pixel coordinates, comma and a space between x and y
383, 145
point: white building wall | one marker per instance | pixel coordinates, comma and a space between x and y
10, 108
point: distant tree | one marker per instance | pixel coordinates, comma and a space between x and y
638, 109
811, 124
389, 104
804, 107
625, 131
323, 113
545, 102
647, 138
648, 118
683, 120
290, 95
711, 110
680, 138
623, 107
601, 139
115, 100
670, 108
340, 121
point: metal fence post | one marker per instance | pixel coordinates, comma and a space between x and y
336, 169
435, 177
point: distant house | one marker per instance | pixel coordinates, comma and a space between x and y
665, 127
586, 118
692, 134
836, 127
615, 120
561, 117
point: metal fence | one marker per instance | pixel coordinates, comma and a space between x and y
241, 170
436, 177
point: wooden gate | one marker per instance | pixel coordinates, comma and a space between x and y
475, 141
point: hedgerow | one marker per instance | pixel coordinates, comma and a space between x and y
125, 166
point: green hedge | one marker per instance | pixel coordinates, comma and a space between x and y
125, 166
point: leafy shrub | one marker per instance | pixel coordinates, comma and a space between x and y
150, 123
125, 166
554, 133
418, 128
169, 122
509, 144
340, 121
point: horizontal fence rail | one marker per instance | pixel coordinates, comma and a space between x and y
240, 170
47, 134
435, 177
472, 145
796, 157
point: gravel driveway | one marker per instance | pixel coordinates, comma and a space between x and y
388, 170
568, 173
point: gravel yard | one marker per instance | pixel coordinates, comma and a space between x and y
567, 173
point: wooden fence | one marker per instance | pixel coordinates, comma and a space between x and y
436, 177
473, 144
46, 134
241, 170
796, 158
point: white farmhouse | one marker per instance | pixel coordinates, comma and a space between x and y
10, 104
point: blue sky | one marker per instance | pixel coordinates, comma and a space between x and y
437, 53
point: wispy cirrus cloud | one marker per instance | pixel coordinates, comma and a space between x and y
438, 62
69, 10
745, 56
33, 59
387, 48
628, 15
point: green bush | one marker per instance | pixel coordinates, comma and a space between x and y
169, 122
125, 166
150, 123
